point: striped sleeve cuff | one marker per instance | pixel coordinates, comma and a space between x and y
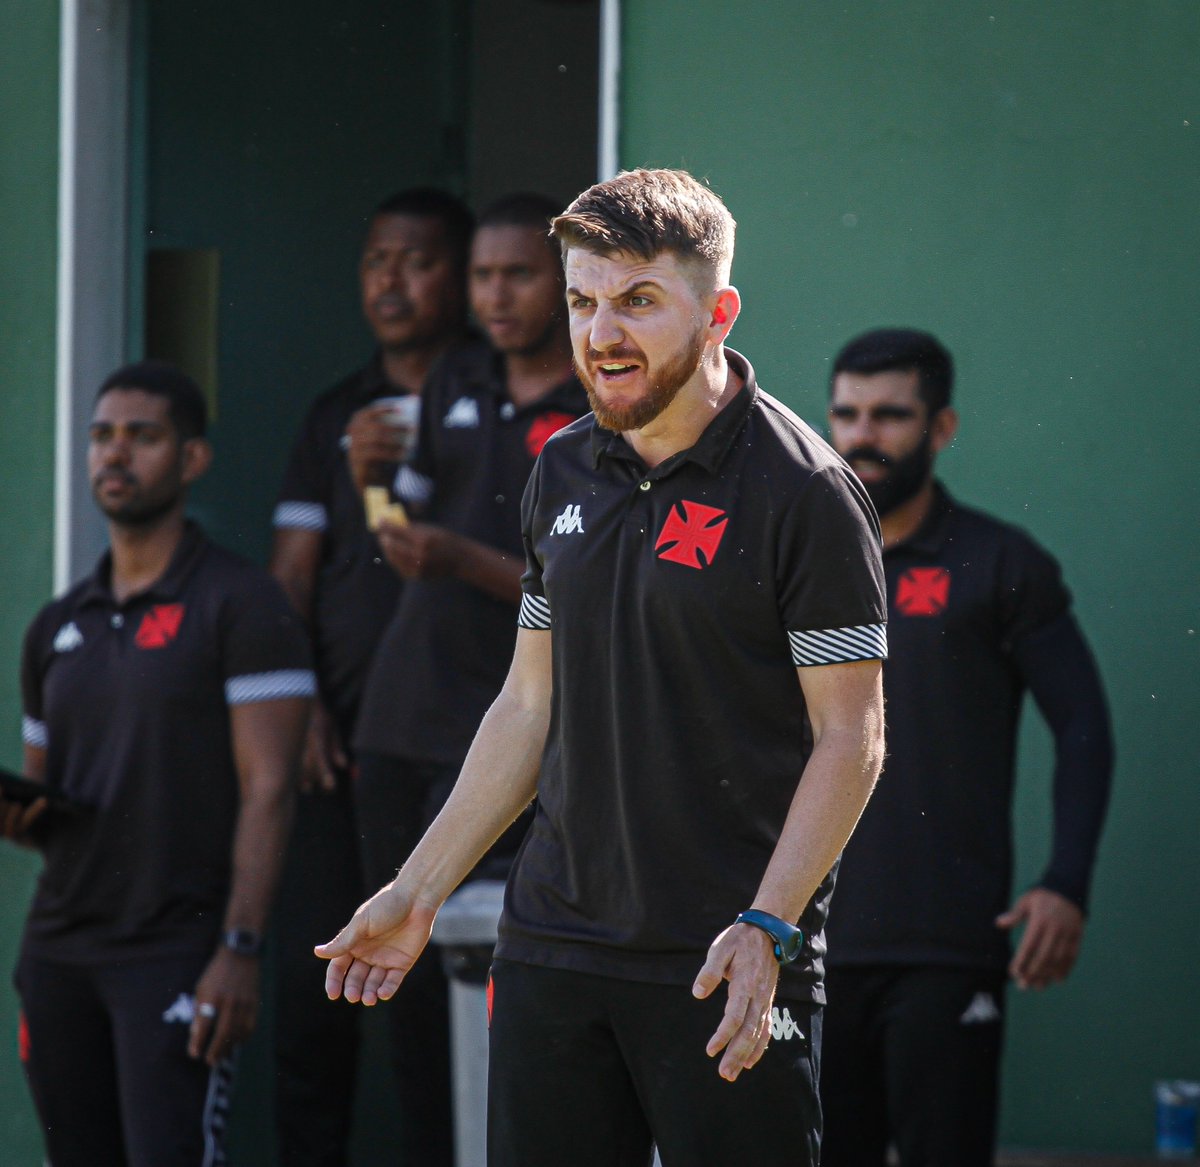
535, 613
412, 487
832, 646
300, 516
33, 732
270, 686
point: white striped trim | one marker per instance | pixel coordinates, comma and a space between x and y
411, 486
300, 516
33, 732
214, 1121
535, 612
833, 646
270, 686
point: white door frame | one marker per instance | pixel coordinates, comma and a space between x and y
608, 158
93, 255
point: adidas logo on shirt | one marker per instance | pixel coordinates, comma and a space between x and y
462, 415
569, 522
68, 638
981, 1010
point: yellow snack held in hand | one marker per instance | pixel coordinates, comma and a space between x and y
381, 509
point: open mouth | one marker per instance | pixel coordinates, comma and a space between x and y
613, 370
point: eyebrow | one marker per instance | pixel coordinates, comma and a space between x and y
629, 291
876, 411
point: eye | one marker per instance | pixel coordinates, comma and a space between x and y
579, 303
640, 301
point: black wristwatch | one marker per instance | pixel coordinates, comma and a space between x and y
242, 941
789, 940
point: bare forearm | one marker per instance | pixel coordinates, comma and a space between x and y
496, 572
836, 784
259, 843
498, 780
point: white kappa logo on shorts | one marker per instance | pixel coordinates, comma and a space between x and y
569, 522
783, 1028
183, 1011
462, 415
981, 1010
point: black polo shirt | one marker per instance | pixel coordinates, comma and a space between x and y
682, 599
356, 590
131, 703
930, 864
446, 653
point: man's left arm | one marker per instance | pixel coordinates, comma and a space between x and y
845, 708
1057, 666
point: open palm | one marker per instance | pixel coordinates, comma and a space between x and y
370, 957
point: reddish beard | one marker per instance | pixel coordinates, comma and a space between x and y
665, 383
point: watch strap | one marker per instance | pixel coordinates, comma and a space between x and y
789, 940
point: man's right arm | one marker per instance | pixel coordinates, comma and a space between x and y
371, 956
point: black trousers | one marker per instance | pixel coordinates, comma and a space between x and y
316, 1040
912, 1058
105, 1055
593, 1071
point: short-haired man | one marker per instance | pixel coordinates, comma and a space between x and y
918, 943
695, 700
487, 411
412, 282
167, 696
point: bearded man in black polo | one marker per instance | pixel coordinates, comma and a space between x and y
695, 700
918, 941
165, 698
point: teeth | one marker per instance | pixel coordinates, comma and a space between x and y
615, 368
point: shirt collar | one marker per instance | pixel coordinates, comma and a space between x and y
484, 373
930, 536
168, 585
712, 445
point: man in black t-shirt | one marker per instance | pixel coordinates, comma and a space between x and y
486, 413
165, 699
918, 944
695, 700
412, 284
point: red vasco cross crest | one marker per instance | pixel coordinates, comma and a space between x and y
697, 533
923, 591
159, 626
543, 429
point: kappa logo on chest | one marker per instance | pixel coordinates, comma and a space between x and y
693, 538
159, 626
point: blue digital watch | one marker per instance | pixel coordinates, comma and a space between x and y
789, 940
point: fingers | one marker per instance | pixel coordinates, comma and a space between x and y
1018, 912
217, 1030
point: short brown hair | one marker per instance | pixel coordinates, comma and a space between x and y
644, 212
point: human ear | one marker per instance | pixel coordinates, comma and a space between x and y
942, 428
725, 311
197, 458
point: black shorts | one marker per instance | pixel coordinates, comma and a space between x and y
593, 1071
912, 1058
105, 1054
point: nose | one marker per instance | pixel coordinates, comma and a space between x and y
605, 331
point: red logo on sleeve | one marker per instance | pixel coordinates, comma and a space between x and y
697, 533
923, 591
24, 1046
159, 626
543, 428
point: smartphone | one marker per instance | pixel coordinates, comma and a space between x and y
25, 791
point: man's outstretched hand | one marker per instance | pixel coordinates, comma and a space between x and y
372, 954
745, 958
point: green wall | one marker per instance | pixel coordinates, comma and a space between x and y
270, 131
28, 231
1021, 178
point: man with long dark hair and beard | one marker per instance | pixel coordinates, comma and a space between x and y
695, 700
918, 939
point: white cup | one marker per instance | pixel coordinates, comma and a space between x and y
404, 414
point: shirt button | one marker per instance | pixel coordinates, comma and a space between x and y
507, 411
118, 621
645, 485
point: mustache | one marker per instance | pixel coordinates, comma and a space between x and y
616, 356
121, 476
867, 454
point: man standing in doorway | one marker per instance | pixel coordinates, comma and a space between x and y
695, 700
487, 411
166, 695
918, 939
412, 277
